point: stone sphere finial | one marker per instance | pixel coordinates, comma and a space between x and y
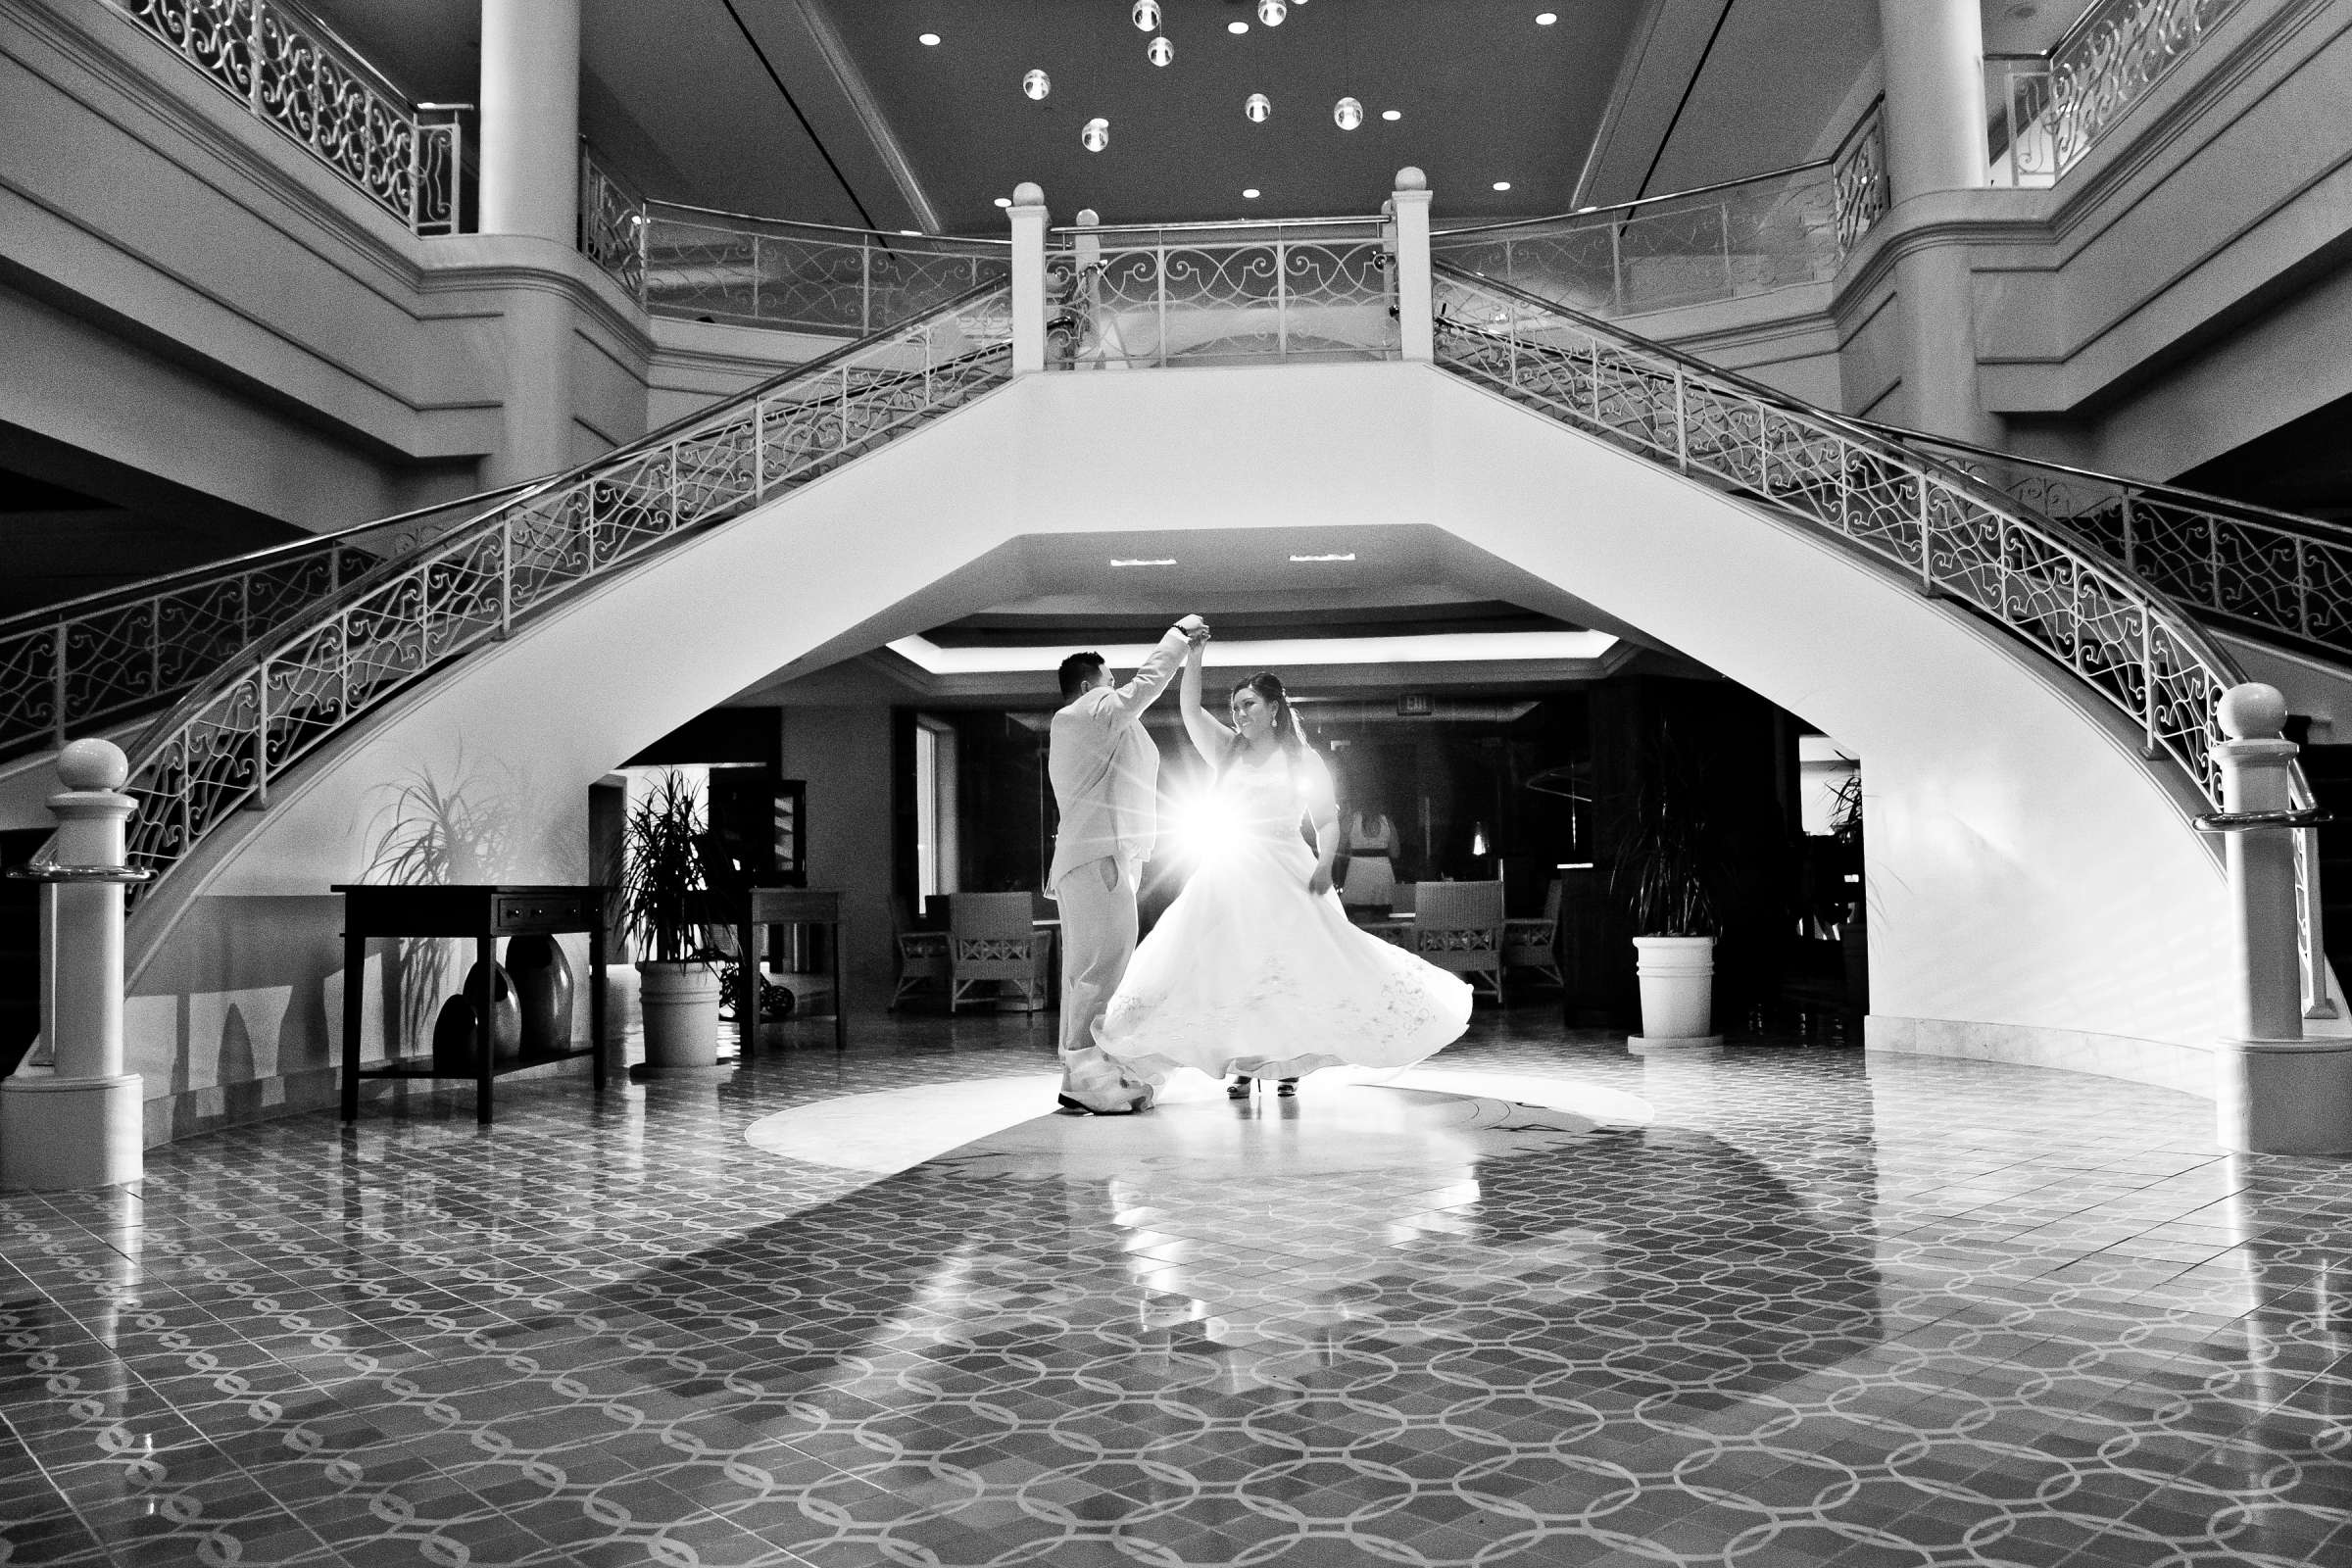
2252, 712
1028, 193
1410, 178
1087, 218
92, 764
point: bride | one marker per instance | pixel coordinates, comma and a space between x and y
1255, 969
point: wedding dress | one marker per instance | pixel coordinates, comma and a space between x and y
1248, 972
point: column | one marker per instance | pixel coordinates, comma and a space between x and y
1935, 117
530, 189
1028, 217
2276, 1093
80, 1125
1410, 200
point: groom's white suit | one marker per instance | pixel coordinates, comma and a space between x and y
1106, 773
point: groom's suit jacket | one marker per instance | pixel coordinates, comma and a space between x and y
1105, 770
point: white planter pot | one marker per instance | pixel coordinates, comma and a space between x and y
680, 1003
1678, 991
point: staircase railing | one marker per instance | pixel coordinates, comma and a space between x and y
1956, 537
294, 692
698, 262
2049, 110
92, 663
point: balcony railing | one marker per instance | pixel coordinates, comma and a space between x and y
1718, 242
2046, 111
290, 70
1279, 292
697, 264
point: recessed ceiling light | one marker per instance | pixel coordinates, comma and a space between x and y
929, 40
1391, 114
1250, 194
1502, 185
1544, 19
1143, 561
1337, 555
914, 231
1004, 201
1237, 27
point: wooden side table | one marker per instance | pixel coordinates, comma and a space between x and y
484, 912
751, 910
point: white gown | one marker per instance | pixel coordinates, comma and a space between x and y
1248, 972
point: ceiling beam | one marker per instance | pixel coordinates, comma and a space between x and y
1660, 66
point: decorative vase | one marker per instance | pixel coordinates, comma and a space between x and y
453, 1037
506, 1014
680, 1003
543, 990
1678, 991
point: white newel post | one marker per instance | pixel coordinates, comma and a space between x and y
1028, 216
80, 1125
2276, 1091
1418, 338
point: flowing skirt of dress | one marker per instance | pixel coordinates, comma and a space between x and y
1248, 972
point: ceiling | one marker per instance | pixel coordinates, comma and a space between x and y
833, 111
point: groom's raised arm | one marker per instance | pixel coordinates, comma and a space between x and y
1127, 703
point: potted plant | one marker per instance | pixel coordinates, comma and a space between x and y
1666, 879
660, 874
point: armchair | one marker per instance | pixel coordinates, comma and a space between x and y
993, 938
1533, 942
1458, 926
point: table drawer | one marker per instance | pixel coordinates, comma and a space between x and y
542, 912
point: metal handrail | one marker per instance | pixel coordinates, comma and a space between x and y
2112, 56
1237, 225
2038, 580
885, 235
1810, 165
104, 656
219, 749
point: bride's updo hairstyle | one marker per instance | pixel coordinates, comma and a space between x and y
1287, 732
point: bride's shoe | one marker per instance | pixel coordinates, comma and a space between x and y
1288, 1088
1238, 1089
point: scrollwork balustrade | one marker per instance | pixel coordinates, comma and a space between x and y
2055, 107
1257, 293
289, 694
1935, 523
289, 68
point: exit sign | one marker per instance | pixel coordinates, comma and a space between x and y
1413, 704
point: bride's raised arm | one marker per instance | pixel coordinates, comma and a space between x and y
1209, 736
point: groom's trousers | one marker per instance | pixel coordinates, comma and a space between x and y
1098, 938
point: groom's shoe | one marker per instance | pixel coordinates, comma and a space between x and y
1069, 1106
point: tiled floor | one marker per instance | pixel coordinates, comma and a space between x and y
1817, 1309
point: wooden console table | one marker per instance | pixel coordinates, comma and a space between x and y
751, 909
484, 912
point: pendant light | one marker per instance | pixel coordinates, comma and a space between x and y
1095, 135
1145, 15
1256, 107
1271, 11
1347, 114
1161, 51
1036, 84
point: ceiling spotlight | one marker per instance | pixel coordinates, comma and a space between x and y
1544, 19
1502, 185
1336, 555
1271, 11
1161, 51
1095, 135
1250, 194
1004, 201
1237, 27
1391, 114
1143, 561
1145, 15
1256, 107
1036, 84
914, 231
1347, 114
929, 40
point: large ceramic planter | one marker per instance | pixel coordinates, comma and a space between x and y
1678, 992
680, 1003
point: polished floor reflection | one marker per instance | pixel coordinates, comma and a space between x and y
1543, 1302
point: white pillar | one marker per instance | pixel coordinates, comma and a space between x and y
2276, 1093
1028, 216
1934, 125
81, 1124
1418, 339
530, 118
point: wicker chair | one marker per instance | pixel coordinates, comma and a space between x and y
1458, 926
1532, 943
992, 938
922, 956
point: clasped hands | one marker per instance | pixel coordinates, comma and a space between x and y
1195, 629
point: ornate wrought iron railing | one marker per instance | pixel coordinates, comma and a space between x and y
695, 262
1277, 292
1718, 242
2047, 110
2119, 637
98, 660
293, 692
290, 70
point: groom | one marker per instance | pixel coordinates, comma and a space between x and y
1105, 775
